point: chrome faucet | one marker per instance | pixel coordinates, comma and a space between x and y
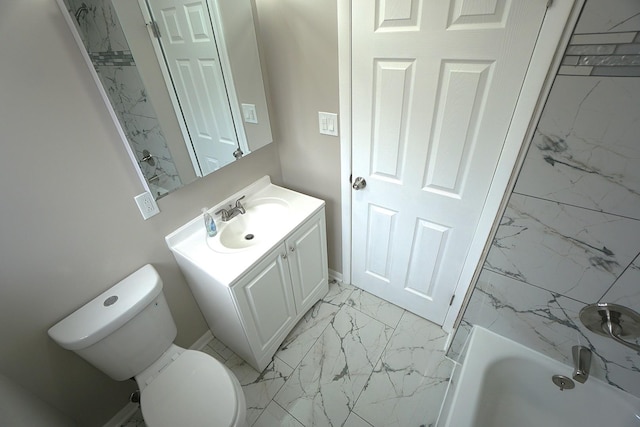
233, 211
581, 363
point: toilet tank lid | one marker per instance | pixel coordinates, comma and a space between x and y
108, 311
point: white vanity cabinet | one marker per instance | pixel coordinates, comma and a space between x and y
253, 293
275, 294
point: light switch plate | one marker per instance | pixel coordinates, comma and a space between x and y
147, 205
328, 123
249, 113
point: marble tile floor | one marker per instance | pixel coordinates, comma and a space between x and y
353, 360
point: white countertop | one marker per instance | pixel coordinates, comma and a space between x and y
190, 241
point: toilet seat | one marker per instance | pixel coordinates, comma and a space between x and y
194, 390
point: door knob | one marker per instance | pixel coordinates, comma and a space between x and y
359, 183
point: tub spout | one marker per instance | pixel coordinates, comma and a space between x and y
581, 363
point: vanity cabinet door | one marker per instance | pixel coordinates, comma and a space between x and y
307, 254
265, 301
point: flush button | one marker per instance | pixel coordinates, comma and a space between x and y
110, 301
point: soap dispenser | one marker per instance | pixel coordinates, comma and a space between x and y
209, 223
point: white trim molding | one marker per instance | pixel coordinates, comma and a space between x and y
202, 341
337, 276
344, 88
123, 415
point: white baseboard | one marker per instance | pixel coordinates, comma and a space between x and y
202, 341
123, 415
335, 275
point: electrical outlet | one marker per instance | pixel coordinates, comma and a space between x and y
147, 205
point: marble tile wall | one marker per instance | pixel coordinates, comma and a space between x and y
570, 235
104, 39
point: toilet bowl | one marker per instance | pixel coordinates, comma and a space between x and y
193, 389
128, 332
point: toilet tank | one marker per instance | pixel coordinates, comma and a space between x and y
123, 330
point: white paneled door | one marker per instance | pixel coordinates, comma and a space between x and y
189, 47
434, 87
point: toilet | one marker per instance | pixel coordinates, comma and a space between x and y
128, 332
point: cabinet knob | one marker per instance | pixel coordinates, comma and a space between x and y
283, 256
292, 249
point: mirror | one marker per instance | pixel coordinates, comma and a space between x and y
182, 81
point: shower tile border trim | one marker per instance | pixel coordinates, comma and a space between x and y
602, 54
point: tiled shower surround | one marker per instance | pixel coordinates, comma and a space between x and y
100, 30
571, 233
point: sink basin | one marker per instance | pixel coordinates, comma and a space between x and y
272, 213
261, 223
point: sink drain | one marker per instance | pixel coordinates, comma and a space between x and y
249, 237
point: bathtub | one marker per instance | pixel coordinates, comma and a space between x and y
504, 384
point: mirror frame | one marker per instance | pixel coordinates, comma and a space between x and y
180, 144
103, 95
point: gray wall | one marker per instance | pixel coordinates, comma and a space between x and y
69, 227
571, 233
300, 42
18, 407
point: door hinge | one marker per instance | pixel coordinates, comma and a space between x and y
154, 29
451, 300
